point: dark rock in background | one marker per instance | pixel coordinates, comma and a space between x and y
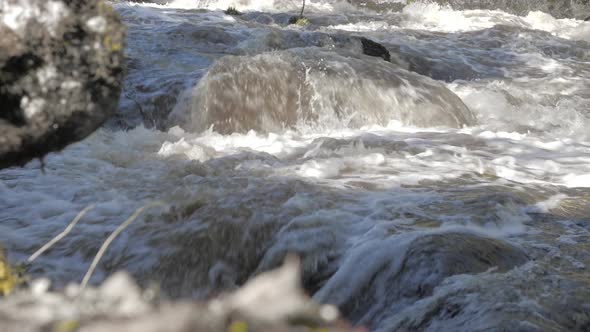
375, 49
429, 260
61, 68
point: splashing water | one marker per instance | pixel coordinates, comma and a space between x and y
405, 219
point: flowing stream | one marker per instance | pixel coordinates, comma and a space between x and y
446, 190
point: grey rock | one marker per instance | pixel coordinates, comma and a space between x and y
532, 297
61, 68
428, 261
449, 254
284, 89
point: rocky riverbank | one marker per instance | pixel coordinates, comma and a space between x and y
61, 69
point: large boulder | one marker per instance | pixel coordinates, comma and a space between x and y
315, 86
61, 68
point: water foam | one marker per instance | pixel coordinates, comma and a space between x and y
247, 5
430, 16
349, 200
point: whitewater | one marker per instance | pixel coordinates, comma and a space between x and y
446, 190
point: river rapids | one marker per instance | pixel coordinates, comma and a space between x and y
445, 190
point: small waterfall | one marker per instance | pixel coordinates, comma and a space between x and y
318, 88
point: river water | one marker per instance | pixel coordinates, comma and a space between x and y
448, 190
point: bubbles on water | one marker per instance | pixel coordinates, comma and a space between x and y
563, 28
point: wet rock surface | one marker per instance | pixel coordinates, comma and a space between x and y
452, 306
61, 69
428, 261
149, 102
278, 90
444, 255
375, 49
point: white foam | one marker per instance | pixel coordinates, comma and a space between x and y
577, 180
191, 151
432, 16
343, 197
564, 28
247, 5
426, 15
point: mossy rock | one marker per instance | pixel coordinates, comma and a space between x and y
300, 21
8, 280
232, 11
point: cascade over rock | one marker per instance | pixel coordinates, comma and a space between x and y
314, 86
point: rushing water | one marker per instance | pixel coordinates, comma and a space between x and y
459, 202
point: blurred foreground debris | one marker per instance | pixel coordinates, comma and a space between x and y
272, 301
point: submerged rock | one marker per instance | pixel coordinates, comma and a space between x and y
534, 297
60, 74
427, 262
442, 255
315, 86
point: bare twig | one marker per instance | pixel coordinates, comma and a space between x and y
143, 114
61, 235
112, 237
302, 9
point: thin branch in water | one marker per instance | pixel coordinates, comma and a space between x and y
302, 9
110, 239
141, 111
60, 235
